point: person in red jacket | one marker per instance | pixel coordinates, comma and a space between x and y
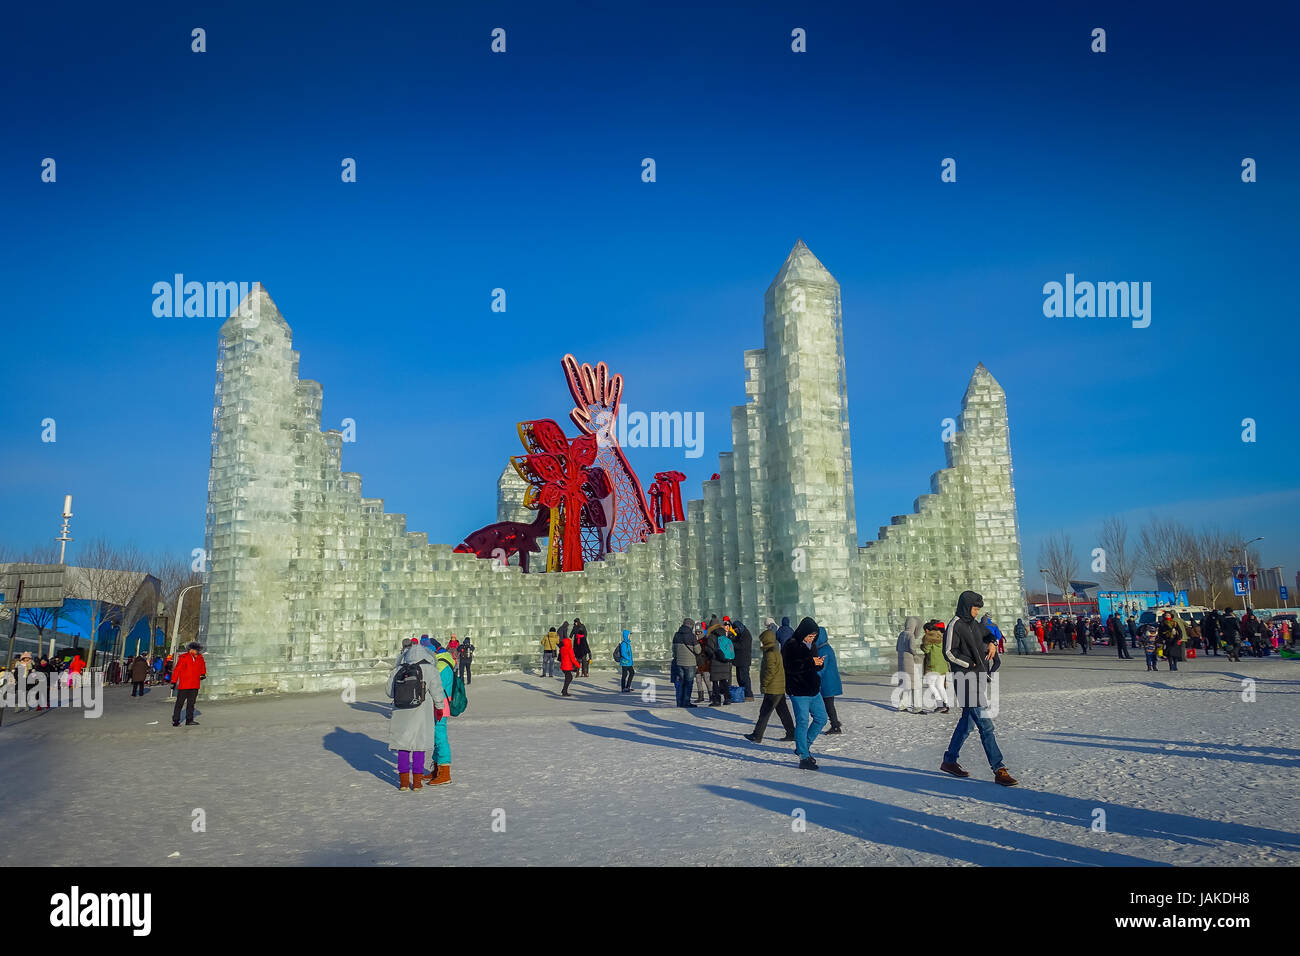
568, 661
186, 674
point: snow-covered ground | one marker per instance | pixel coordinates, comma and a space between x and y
1185, 770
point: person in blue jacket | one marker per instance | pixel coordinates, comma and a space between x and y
831, 684
625, 661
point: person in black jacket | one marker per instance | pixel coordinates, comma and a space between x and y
1210, 631
744, 645
972, 651
1231, 633
803, 686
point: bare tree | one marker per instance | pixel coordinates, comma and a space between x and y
109, 585
1057, 557
1157, 547
1121, 560
1214, 560
176, 573
1186, 557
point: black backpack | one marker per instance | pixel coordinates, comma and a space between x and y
408, 687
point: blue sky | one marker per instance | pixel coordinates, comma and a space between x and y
522, 171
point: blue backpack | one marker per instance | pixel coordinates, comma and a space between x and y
726, 648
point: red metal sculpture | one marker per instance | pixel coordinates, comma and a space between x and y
557, 470
666, 497
505, 539
596, 396
589, 501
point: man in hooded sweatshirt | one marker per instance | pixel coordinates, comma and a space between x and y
971, 650
803, 683
784, 632
771, 680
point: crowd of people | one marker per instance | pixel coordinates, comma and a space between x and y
1170, 638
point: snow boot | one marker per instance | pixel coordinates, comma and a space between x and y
417, 781
834, 730
807, 763
404, 781
954, 769
1002, 776
442, 776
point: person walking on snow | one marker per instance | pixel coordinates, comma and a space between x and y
625, 662
1210, 631
139, 672
568, 660
771, 681
972, 652
831, 687
189, 670
1150, 643
803, 684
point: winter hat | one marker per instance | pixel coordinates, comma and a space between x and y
806, 627
194, 646
406, 642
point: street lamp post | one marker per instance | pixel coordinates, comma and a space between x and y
176, 627
1245, 556
63, 540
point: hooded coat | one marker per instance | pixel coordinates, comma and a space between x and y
831, 684
139, 669
910, 651
801, 673
684, 645
719, 669
771, 671
932, 643
414, 728
568, 662
966, 640
744, 645
784, 632
625, 650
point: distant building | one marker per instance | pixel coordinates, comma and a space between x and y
1269, 579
